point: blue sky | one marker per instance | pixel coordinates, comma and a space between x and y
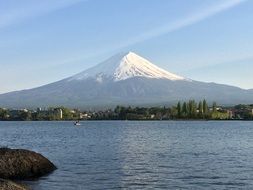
45, 41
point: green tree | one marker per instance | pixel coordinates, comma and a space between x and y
192, 109
184, 109
206, 113
200, 108
214, 107
205, 107
179, 111
3, 114
25, 115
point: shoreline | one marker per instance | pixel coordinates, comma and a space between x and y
128, 120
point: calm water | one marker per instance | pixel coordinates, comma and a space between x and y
139, 155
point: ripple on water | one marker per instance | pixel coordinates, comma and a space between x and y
139, 155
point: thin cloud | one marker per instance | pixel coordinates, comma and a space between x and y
184, 22
192, 19
32, 9
165, 29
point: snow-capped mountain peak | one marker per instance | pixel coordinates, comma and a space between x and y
124, 66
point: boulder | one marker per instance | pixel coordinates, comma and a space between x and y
23, 164
9, 185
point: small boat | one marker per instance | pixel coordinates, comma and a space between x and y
77, 123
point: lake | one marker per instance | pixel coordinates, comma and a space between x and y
139, 155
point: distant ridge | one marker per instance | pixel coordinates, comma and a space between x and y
124, 79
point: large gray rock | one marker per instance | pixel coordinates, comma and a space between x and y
9, 185
23, 164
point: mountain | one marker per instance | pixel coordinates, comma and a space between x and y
124, 66
124, 79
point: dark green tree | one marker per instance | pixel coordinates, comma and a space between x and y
192, 109
200, 108
214, 107
3, 114
179, 110
25, 116
184, 109
205, 107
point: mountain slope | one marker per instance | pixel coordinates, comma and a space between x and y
124, 66
125, 79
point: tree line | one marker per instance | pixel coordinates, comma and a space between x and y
194, 110
182, 110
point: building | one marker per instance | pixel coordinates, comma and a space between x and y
84, 116
231, 114
51, 114
57, 112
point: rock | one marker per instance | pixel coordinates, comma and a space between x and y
23, 164
9, 185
